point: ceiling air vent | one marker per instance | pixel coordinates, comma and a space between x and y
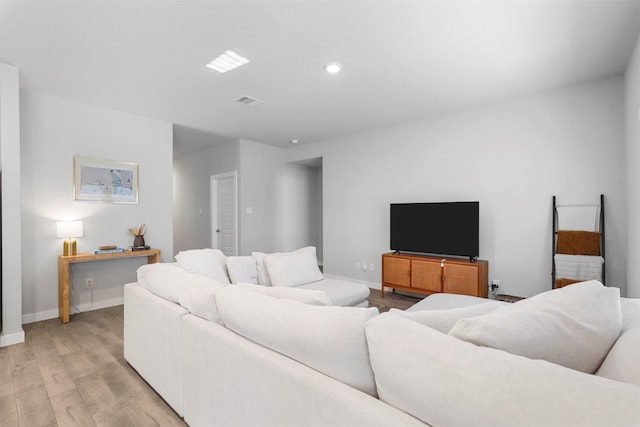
248, 100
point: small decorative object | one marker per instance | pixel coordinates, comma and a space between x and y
138, 233
100, 180
67, 230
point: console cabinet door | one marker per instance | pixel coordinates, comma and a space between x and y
460, 279
396, 271
426, 275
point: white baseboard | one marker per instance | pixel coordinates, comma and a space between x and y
52, 314
6, 340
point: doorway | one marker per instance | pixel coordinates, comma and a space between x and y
224, 212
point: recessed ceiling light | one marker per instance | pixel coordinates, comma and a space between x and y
294, 141
227, 62
333, 67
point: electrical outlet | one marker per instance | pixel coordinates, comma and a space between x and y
364, 265
88, 283
370, 266
357, 265
495, 284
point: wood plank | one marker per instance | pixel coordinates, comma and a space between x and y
8, 409
70, 409
34, 408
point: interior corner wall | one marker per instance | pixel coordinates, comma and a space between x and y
192, 193
298, 198
512, 156
12, 332
632, 98
54, 130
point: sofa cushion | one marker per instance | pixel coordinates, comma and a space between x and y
263, 275
328, 339
161, 279
443, 301
445, 381
208, 262
194, 292
623, 360
574, 326
443, 320
242, 269
306, 296
341, 292
293, 268
143, 271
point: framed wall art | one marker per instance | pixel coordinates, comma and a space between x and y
98, 180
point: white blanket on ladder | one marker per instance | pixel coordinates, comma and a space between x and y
578, 267
582, 218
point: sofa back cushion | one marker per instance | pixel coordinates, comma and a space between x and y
194, 292
574, 326
306, 296
293, 268
242, 269
263, 275
208, 262
328, 339
623, 360
445, 381
443, 320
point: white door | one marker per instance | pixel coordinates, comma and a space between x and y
224, 222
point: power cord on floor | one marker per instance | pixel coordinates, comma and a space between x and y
75, 307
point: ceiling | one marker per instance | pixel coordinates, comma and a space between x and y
402, 59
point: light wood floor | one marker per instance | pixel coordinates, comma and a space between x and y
393, 300
75, 374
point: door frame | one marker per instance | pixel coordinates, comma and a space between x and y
213, 191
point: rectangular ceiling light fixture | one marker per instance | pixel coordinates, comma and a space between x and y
227, 62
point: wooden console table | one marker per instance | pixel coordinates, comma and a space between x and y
64, 267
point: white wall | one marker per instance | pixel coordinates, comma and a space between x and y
511, 156
54, 130
191, 178
632, 91
12, 332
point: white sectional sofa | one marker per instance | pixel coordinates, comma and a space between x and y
246, 358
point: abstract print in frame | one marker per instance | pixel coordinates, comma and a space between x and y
99, 180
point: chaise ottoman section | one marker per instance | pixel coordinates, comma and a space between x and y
342, 292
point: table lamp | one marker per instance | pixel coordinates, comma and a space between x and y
67, 230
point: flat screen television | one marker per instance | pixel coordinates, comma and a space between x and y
446, 228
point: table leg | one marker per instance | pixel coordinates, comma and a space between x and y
63, 290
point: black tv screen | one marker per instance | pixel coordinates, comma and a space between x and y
448, 228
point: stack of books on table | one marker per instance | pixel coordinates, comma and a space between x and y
108, 251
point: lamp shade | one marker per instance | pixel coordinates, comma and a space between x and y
68, 229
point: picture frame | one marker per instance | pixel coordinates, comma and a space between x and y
109, 181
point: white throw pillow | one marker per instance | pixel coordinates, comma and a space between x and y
574, 326
443, 320
306, 296
242, 269
328, 339
209, 262
444, 381
293, 268
263, 275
